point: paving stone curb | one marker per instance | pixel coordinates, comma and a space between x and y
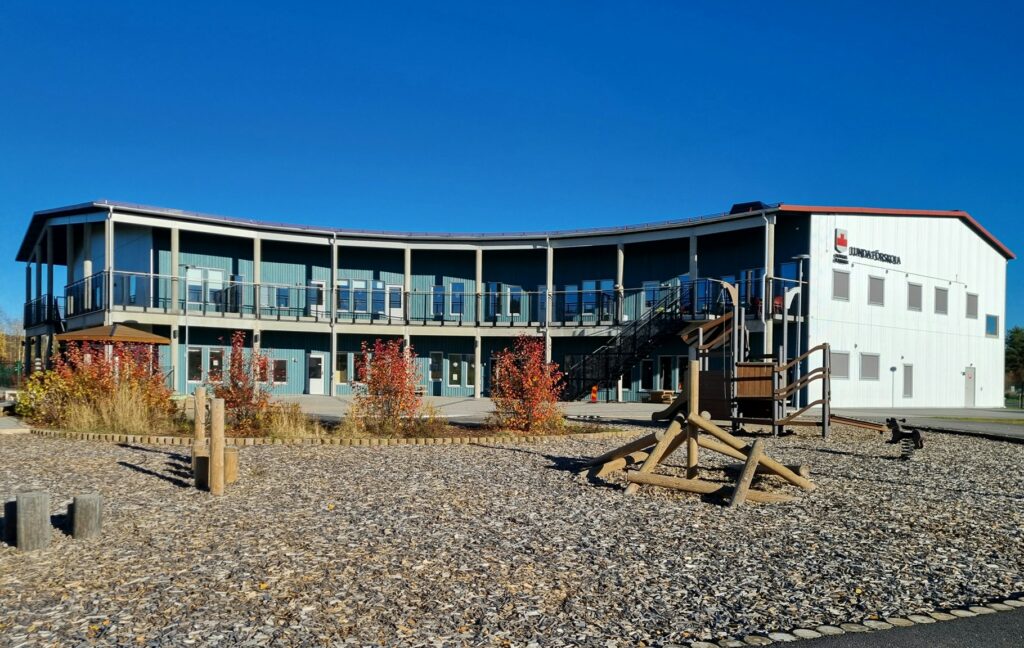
866, 625
328, 440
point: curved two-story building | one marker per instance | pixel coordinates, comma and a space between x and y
912, 301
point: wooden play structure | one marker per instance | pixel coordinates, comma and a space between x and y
643, 456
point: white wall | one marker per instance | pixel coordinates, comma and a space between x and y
936, 251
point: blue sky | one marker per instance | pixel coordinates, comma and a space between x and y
491, 116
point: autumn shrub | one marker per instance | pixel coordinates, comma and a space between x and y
246, 396
91, 388
525, 388
387, 403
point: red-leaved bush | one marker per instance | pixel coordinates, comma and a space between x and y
246, 399
525, 388
387, 403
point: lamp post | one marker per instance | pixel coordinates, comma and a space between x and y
800, 258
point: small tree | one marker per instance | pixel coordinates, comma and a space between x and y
388, 403
525, 387
1015, 356
245, 398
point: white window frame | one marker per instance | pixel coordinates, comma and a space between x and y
920, 288
361, 284
967, 306
346, 285
935, 296
860, 366
849, 283
448, 373
273, 374
188, 350
451, 300
870, 279
508, 300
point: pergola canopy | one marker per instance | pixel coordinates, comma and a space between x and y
112, 334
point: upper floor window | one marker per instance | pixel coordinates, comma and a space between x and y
515, 300
359, 296
282, 297
876, 291
650, 294
344, 295
841, 285
972, 306
438, 301
941, 301
589, 297
378, 298
914, 296
992, 325
458, 306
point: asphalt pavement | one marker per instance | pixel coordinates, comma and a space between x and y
1000, 630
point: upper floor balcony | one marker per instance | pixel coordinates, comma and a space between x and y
590, 303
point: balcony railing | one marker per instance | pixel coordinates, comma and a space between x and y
45, 309
389, 305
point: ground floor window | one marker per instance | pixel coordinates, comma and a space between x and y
280, 372
840, 364
341, 366
665, 369
436, 364
647, 375
216, 368
870, 364
470, 373
194, 365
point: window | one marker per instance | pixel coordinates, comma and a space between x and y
493, 298
261, 372
281, 297
438, 292
665, 373
650, 294
972, 306
607, 308
194, 282
359, 296
194, 368
341, 366
394, 298
315, 293
840, 364
542, 303
876, 291
216, 368
647, 375
458, 306
914, 292
841, 285
344, 295
992, 325
280, 371
455, 370
378, 297
908, 381
589, 297
436, 364
869, 366
470, 372
515, 300
572, 301
941, 301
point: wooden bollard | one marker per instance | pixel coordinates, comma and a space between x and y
230, 465
199, 424
216, 475
33, 525
10, 523
86, 516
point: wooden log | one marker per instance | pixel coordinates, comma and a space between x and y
659, 451
739, 494
715, 446
201, 472
199, 421
632, 458
736, 444
692, 431
216, 474
230, 465
11, 523
639, 444
33, 527
86, 516
733, 470
702, 487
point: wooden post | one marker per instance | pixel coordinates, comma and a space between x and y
639, 444
199, 424
692, 448
216, 475
230, 465
10, 523
747, 475
33, 527
702, 487
86, 516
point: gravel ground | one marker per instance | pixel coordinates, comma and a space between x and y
501, 545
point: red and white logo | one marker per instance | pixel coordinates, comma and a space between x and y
841, 241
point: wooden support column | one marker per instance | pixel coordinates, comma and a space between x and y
39, 272
69, 253
87, 266
108, 265
50, 288
478, 373
693, 266
216, 478
620, 288
549, 287
692, 431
